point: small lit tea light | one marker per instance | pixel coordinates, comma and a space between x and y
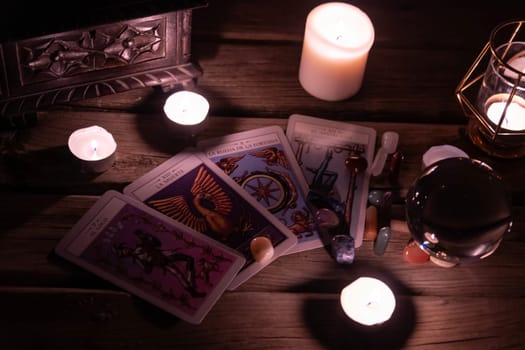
337, 39
514, 115
186, 108
368, 301
95, 147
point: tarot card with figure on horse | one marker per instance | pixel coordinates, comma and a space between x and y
152, 256
262, 163
321, 147
193, 190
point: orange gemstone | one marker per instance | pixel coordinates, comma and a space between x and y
415, 255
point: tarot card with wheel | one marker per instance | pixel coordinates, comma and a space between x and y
262, 163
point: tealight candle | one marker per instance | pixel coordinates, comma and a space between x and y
186, 108
368, 301
95, 147
514, 116
337, 39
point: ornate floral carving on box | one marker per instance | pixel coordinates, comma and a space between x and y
97, 60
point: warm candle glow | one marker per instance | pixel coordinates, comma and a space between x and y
517, 62
514, 116
340, 34
186, 108
368, 301
337, 39
94, 146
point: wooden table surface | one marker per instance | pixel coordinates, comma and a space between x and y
250, 52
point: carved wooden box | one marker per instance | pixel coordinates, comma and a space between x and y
108, 47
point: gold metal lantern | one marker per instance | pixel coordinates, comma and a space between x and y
492, 93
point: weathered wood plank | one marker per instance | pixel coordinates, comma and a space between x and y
250, 53
28, 241
87, 319
38, 159
262, 81
402, 24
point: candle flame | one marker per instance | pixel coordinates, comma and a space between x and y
339, 30
94, 145
498, 106
374, 298
368, 301
186, 108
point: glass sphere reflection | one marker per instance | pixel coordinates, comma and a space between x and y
458, 210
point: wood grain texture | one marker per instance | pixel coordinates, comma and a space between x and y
102, 319
250, 55
250, 52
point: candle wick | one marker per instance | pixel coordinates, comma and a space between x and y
339, 37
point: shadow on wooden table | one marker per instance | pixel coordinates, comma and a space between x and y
328, 323
52, 169
336, 331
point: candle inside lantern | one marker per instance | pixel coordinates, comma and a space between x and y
516, 62
368, 301
94, 146
337, 40
495, 126
186, 108
514, 115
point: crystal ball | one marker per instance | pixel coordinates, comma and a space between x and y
458, 210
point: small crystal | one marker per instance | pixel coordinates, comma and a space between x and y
326, 218
414, 254
370, 224
381, 242
343, 249
261, 248
375, 197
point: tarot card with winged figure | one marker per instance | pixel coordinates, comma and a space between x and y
152, 256
194, 191
263, 164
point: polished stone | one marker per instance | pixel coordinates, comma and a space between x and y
413, 254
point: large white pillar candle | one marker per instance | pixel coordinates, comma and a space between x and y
95, 147
186, 108
368, 301
337, 39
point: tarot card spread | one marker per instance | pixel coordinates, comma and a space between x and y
194, 191
263, 164
152, 256
321, 148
